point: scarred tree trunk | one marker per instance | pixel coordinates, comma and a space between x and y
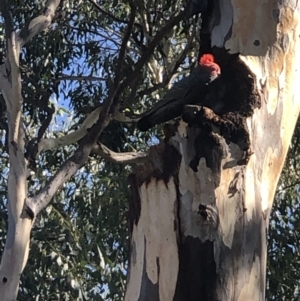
199, 211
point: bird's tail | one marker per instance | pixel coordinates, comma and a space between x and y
163, 111
144, 124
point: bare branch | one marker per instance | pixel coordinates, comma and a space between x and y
52, 143
73, 137
121, 158
40, 23
80, 78
123, 45
64, 173
69, 168
103, 120
147, 54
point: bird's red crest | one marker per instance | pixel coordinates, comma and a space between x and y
206, 59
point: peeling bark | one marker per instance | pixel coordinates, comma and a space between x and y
22, 208
222, 204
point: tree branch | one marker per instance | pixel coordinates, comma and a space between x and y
105, 37
101, 10
121, 158
91, 138
19, 225
10, 86
147, 54
9, 24
51, 143
280, 189
124, 45
69, 168
80, 78
32, 145
40, 23
65, 172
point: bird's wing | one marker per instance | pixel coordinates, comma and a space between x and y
179, 92
189, 90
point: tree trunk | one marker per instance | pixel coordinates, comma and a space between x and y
199, 211
20, 215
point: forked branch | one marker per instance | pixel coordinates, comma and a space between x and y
87, 144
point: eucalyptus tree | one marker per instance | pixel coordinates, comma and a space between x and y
74, 76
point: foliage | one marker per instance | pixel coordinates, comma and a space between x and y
283, 246
79, 243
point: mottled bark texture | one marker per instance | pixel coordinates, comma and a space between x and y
200, 209
20, 216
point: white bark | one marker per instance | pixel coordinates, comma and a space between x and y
155, 243
16, 249
52, 143
222, 219
17, 243
73, 137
